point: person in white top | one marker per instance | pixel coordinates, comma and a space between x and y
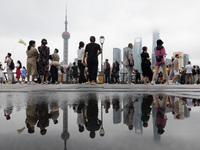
80, 53
188, 69
176, 69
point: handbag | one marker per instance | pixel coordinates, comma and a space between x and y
158, 58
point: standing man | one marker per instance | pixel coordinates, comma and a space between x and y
93, 50
128, 61
10, 66
188, 69
107, 71
176, 69
54, 68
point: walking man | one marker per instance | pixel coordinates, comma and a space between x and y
107, 71
128, 61
10, 66
93, 50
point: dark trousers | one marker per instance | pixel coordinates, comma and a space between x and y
107, 76
82, 70
54, 74
92, 69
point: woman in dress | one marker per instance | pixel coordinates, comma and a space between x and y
146, 65
43, 61
32, 55
160, 61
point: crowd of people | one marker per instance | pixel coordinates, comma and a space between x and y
44, 68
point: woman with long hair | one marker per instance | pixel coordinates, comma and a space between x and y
43, 61
146, 65
80, 53
116, 72
160, 61
32, 55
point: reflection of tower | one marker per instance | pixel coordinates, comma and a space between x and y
157, 137
65, 36
65, 135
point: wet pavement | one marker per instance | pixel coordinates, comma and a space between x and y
98, 121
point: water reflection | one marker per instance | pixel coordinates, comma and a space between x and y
90, 111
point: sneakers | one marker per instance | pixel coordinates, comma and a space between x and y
152, 83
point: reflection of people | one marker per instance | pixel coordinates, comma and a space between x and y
31, 116
161, 119
8, 111
128, 113
116, 110
54, 114
146, 109
43, 117
107, 105
92, 123
80, 116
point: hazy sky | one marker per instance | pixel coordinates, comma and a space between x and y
120, 21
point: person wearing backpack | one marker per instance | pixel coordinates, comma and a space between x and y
10, 67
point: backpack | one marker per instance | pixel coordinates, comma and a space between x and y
12, 65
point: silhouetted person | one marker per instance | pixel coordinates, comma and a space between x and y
146, 109
92, 123
8, 110
107, 106
81, 116
43, 117
31, 116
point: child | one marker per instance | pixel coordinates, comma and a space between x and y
160, 77
1, 73
70, 75
75, 73
23, 74
18, 72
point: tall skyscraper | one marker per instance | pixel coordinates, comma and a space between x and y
186, 58
180, 58
156, 36
65, 36
117, 56
137, 50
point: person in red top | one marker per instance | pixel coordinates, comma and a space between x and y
18, 71
160, 61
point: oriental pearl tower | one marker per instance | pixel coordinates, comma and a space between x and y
66, 37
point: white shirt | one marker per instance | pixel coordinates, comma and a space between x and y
80, 53
188, 69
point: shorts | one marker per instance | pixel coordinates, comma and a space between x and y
176, 73
161, 64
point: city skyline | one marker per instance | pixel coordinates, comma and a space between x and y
176, 35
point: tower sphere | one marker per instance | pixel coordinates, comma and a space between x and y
66, 35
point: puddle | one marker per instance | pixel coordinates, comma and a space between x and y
98, 121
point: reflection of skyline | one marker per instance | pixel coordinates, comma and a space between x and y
182, 109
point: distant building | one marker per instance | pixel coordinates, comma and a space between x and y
156, 36
186, 58
167, 61
117, 56
180, 59
76, 61
137, 50
123, 68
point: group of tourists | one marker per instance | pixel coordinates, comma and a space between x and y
44, 68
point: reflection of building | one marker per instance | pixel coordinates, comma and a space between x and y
137, 50
180, 58
156, 36
117, 56
186, 112
137, 116
185, 59
124, 68
65, 135
65, 36
156, 136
